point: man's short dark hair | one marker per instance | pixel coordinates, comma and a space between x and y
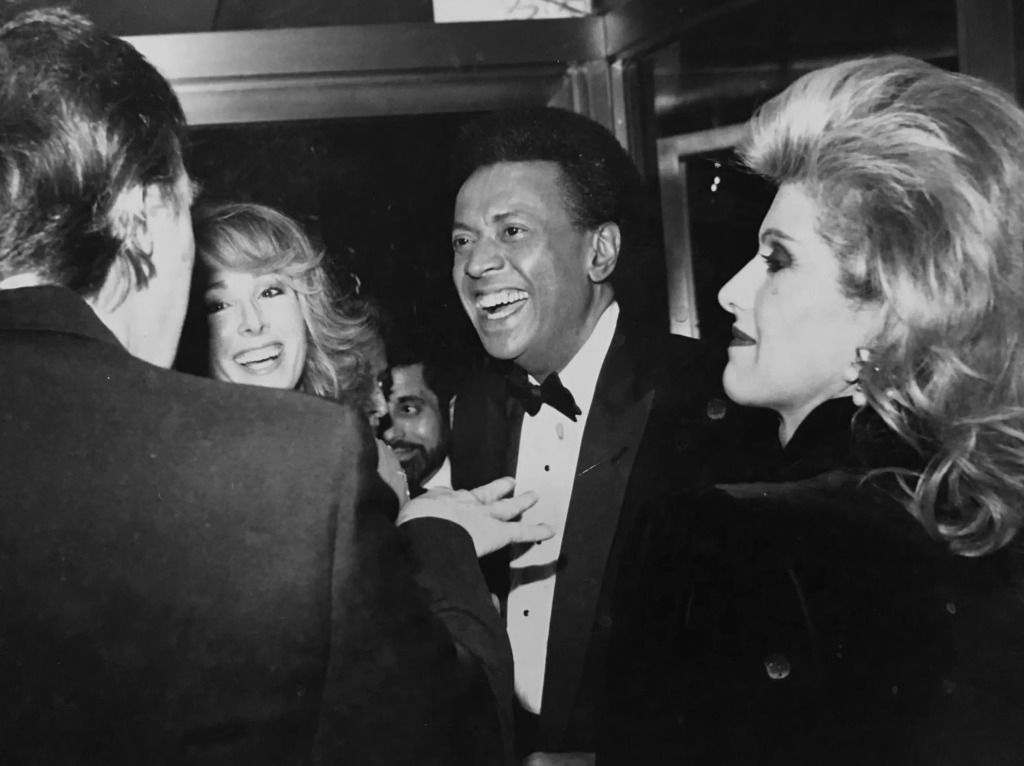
600, 182
442, 372
83, 119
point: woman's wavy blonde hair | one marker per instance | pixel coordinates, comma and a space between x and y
919, 173
340, 331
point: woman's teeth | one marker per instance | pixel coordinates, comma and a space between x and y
259, 356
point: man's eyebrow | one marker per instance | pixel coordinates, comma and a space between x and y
410, 398
504, 215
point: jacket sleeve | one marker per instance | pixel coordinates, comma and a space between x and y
417, 656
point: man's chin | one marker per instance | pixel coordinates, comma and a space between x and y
413, 471
500, 346
502, 352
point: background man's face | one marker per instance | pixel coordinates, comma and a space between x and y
418, 432
521, 266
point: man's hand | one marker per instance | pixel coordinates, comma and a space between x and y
487, 513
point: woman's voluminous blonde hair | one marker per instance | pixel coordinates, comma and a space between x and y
256, 239
919, 174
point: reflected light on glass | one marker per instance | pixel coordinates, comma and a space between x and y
509, 10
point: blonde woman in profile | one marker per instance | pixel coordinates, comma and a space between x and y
862, 605
275, 320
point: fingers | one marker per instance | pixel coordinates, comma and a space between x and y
495, 490
512, 507
521, 532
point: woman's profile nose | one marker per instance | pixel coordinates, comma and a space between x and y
726, 298
736, 294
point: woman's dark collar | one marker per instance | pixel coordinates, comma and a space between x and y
837, 435
821, 443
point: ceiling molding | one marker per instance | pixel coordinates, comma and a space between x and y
409, 47
355, 71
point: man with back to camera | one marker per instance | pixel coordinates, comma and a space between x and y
578, 405
418, 426
194, 572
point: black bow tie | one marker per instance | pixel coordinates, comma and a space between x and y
550, 392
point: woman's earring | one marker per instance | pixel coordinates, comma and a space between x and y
852, 376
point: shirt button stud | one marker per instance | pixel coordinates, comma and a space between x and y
778, 666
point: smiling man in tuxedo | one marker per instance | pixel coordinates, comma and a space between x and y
592, 412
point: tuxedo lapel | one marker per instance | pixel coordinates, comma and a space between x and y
482, 431
485, 447
615, 426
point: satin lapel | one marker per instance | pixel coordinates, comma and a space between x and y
615, 426
485, 446
481, 432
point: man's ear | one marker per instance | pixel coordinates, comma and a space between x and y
134, 213
131, 222
129, 218
605, 242
127, 223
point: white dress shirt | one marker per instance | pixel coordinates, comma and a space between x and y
549, 448
442, 477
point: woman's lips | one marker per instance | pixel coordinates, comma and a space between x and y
260, 359
740, 338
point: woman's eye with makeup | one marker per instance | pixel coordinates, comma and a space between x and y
272, 292
213, 306
777, 259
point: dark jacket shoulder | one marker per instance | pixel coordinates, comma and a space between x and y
810, 621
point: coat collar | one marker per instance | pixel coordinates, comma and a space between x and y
836, 435
51, 309
820, 443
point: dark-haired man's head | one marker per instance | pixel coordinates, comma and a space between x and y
93, 192
418, 424
547, 201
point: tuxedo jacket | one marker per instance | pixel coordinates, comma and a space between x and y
657, 419
812, 620
194, 572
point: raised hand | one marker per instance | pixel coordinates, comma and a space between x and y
487, 513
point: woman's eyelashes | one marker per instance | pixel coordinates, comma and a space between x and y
216, 305
777, 258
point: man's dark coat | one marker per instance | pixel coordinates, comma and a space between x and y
194, 572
